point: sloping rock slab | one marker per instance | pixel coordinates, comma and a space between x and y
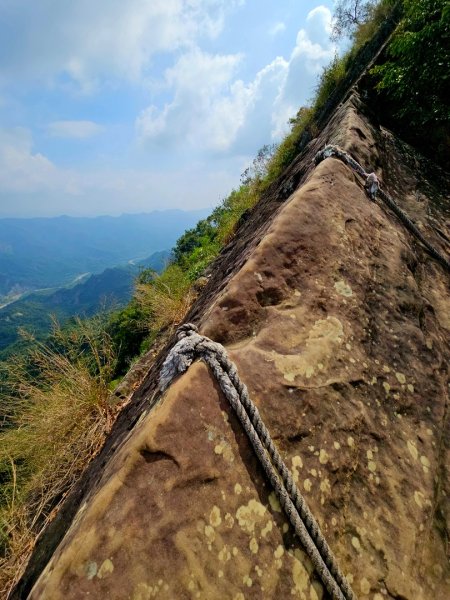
339, 325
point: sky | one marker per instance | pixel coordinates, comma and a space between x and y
114, 106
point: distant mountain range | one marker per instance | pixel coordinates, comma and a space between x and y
52, 252
110, 289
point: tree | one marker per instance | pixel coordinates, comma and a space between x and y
416, 76
348, 15
258, 169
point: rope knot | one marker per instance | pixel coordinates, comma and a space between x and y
325, 153
372, 185
185, 330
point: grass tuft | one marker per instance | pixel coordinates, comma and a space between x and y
56, 413
164, 299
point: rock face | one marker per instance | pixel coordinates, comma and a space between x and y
339, 325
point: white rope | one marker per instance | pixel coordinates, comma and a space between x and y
372, 186
192, 346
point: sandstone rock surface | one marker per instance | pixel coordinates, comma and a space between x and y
339, 324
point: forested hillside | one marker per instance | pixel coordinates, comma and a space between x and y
43, 253
106, 292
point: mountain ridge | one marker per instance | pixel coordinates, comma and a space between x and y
110, 289
41, 253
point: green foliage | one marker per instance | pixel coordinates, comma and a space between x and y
230, 212
348, 15
377, 13
329, 79
197, 247
287, 150
257, 171
161, 301
126, 329
416, 77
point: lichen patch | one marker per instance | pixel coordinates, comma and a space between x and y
106, 568
274, 502
225, 554
300, 577
364, 586
356, 543
297, 464
229, 521
267, 528
401, 378
279, 551
224, 449
412, 448
419, 498
251, 514
215, 518
320, 347
210, 534
343, 289
254, 546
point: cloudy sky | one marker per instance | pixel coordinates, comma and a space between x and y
113, 106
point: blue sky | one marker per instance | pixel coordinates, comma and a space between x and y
120, 106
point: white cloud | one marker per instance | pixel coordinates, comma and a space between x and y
22, 170
32, 185
313, 50
74, 129
91, 41
213, 110
206, 105
319, 22
277, 28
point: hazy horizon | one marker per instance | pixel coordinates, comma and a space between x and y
198, 211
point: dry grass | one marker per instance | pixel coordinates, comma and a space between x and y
56, 415
166, 298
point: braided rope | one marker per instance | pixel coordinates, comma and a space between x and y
373, 189
191, 346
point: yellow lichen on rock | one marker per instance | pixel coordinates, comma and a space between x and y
343, 288
251, 515
106, 568
215, 518
412, 448
323, 339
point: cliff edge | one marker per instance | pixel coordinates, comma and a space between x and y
338, 322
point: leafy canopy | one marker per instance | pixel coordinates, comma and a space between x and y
416, 77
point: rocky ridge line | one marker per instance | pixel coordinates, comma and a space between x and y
338, 323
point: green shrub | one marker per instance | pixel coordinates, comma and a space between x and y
416, 76
127, 330
329, 79
288, 148
377, 13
